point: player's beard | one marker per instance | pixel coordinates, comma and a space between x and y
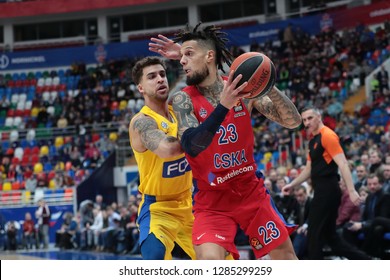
198, 77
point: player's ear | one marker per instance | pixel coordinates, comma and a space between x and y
210, 55
140, 88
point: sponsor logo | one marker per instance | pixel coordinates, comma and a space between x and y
255, 243
4, 61
239, 114
238, 107
164, 125
220, 237
200, 236
234, 173
203, 112
175, 168
100, 53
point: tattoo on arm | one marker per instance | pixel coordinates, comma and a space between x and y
151, 136
277, 107
184, 111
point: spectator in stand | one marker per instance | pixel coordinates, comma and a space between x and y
386, 177
365, 161
361, 173
377, 205
31, 182
59, 180
302, 213
43, 216
348, 212
375, 161
43, 116
62, 122
97, 225
42, 180
91, 151
29, 232
383, 78
86, 220
99, 203
64, 234
12, 228
285, 202
75, 158
95, 160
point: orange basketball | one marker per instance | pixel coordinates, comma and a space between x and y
256, 69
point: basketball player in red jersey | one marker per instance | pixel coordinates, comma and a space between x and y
216, 134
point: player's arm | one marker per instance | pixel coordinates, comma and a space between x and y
277, 107
145, 135
196, 137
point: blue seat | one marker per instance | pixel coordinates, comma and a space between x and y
5, 145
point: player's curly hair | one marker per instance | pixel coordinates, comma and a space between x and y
211, 35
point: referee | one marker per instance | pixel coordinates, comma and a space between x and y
325, 159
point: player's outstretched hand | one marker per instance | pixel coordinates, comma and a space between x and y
165, 47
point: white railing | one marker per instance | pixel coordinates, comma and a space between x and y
23, 198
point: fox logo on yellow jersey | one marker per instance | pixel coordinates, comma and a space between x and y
175, 168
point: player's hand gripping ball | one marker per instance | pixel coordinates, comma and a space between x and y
256, 69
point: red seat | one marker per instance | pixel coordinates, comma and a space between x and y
25, 160
16, 185
10, 113
15, 161
27, 151
35, 150
51, 175
34, 159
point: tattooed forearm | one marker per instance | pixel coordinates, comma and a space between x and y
182, 106
278, 107
151, 136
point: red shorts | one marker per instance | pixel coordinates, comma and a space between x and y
218, 213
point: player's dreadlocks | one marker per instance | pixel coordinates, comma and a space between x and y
210, 34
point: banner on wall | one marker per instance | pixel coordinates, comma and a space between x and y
66, 56
240, 36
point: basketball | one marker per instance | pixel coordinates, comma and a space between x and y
256, 69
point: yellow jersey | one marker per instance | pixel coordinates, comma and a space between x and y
158, 176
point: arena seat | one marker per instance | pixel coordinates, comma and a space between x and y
35, 150
9, 122
19, 151
17, 121
68, 193
16, 185
51, 174
7, 186
14, 134
34, 159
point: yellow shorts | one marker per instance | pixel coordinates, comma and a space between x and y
170, 219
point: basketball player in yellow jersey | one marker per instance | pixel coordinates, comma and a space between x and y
165, 213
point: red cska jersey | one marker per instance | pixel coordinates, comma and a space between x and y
229, 158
